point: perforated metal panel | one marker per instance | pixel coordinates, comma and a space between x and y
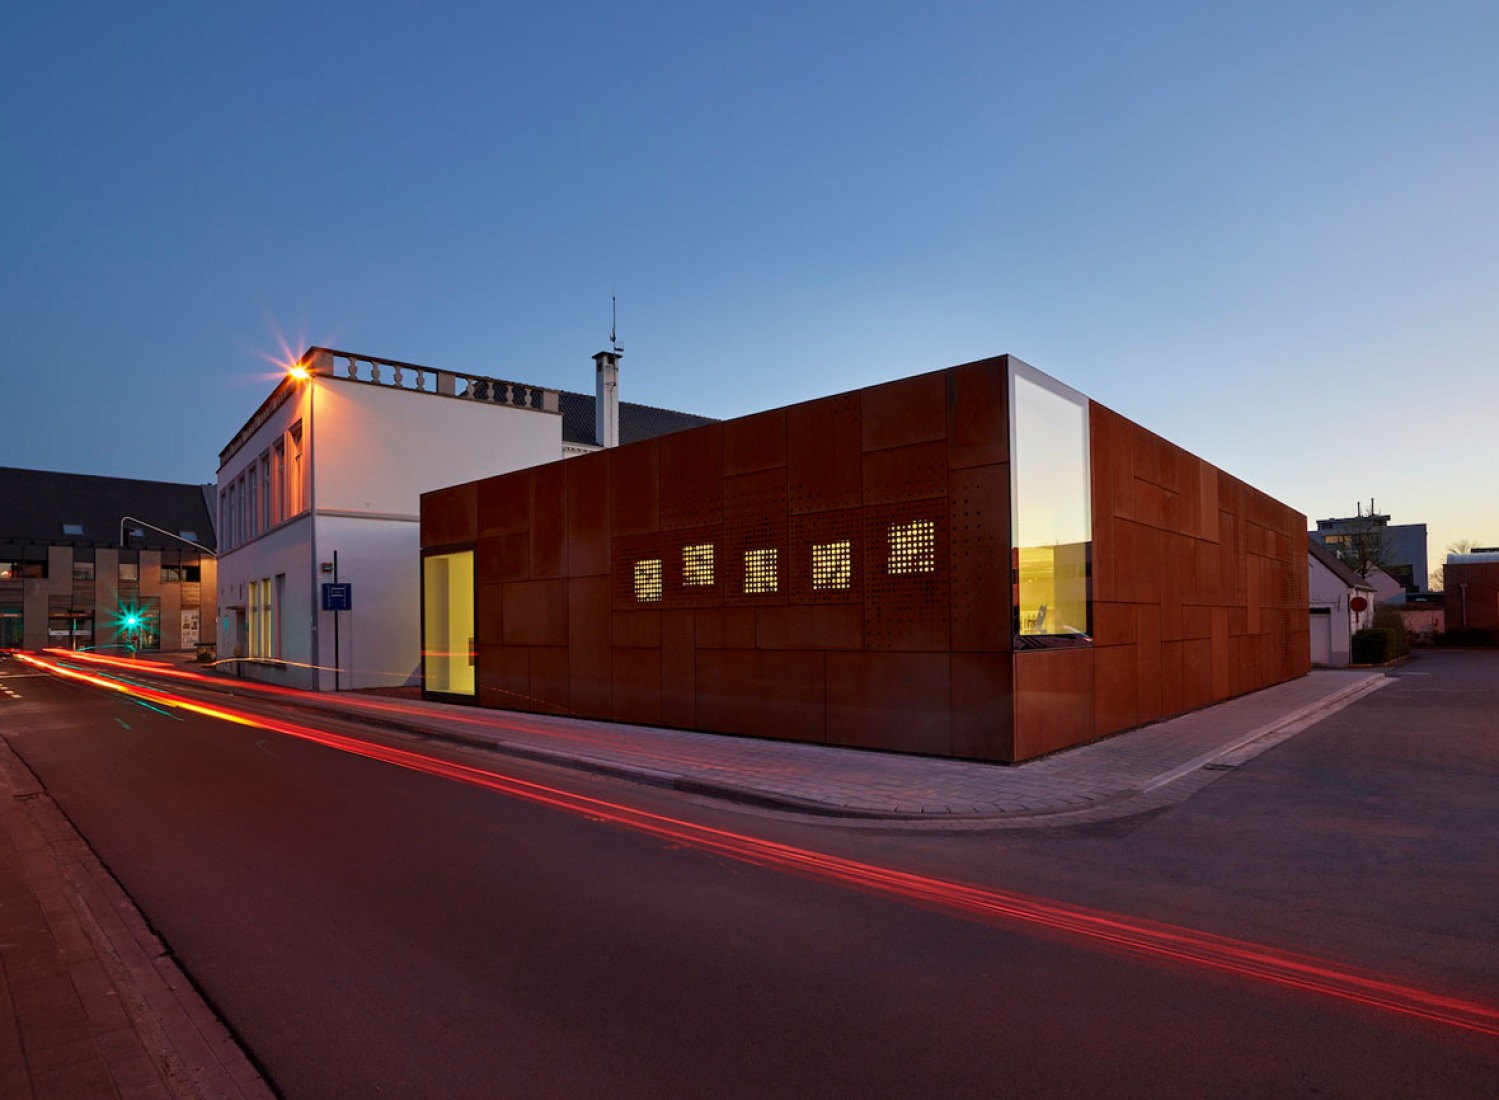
905, 610
826, 529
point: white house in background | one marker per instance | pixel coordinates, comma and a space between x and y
321, 487
1342, 602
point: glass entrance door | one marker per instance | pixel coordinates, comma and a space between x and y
448, 623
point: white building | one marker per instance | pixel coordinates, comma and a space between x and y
1341, 604
321, 488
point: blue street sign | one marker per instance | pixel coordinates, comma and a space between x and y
338, 597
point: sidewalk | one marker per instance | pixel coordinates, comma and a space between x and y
92, 1006
1134, 771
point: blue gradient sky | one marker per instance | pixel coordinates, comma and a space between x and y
1268, 232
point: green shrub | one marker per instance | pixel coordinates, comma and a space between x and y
1374, 646
1387, 618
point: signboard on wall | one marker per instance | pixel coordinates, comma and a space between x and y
190, 628
338, 596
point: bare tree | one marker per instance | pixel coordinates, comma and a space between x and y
1363, 543
1439, 574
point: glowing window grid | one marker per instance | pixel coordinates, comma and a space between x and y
697, 565
832, 565
760, 572
648, 580
913, 547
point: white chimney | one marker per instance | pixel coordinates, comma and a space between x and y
606, 400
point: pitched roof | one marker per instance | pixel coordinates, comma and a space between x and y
35, 505
636, 422
1336, 566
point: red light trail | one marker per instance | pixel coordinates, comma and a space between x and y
1133, 935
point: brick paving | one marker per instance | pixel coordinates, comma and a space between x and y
92, 1006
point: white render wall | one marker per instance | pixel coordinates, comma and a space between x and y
1326, 590
370, 451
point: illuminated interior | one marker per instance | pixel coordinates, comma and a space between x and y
913, 547
1052, 517
448, 622
648, 580
760, 572
832, 565
697, 565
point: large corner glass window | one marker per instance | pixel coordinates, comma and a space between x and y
448, 623
1051, 511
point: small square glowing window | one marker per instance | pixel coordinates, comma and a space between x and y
74, 529
832, 565
760, 572
913, 547
648, 580
697, 565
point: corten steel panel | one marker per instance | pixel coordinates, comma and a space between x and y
678, 669
1255, 598
1148, 663
983, 706
692, 478
824, 467
1197, 672
979, 559
1196, 622
827, 529
1238, 622
549, 521
1208, 573
897, 414
755, 520
503, 558
1173, 687
503, 677
505, 504
1115, 684
1150, 504
839, 626
1113, 624
906, 612
549, 679
672, 545
917, 472
978, 427
725, 628
637, 629
535, 613
754, 443
634, 500
637, 686
897, 701
589, 646
1053, 700
776, 695
489, 614
1138, 563
449, 516
1190, 500
626, 553
1222, 656
1143, 458
587, 514
1178, 582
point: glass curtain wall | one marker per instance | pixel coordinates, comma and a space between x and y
448, 623
1051, 511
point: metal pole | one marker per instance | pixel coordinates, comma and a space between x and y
336, 663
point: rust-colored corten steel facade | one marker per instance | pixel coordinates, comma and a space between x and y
842, 572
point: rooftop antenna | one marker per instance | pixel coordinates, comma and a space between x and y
614, 323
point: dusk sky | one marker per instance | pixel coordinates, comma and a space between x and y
1268, 232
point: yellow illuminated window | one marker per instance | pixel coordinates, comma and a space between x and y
913, 547
648, 579
832, 565
697, 564
760, 572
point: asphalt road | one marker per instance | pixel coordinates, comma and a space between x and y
368, 930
